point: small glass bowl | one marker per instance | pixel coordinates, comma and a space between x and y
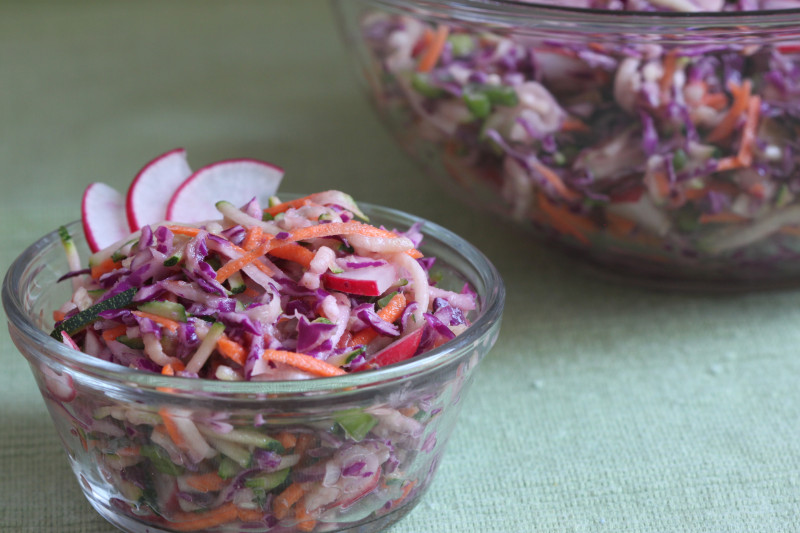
371, 442
661, 146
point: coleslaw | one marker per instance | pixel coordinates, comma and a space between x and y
675, 160
297, 290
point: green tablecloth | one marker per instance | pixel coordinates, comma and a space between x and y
602, 408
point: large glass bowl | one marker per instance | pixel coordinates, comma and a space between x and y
371, 442
662, 146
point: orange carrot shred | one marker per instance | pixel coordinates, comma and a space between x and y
289, 204
286, 499
111, 334
555, 180
167, 323
303, 362
390, 313
619, 225
574, 124
58, 316
721, 218
252, 237
670, 66
305, 522
171, 427
287, 440
183, 230
745, 154
434, 51
293, 252
250, 515
565, 221
741, 97
200, 521
728, 163
208, 482
232, 350
300, 234
107, 265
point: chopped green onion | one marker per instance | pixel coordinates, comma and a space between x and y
355, 422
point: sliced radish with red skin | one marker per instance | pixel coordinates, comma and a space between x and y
152, 188
103, 216
366, 281
400, 350
59, 385
236, 181
356, 492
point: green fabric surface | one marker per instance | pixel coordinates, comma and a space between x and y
602, 408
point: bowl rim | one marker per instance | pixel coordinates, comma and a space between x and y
522, 13
81, 363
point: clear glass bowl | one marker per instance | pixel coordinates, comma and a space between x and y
660, 146
366, 445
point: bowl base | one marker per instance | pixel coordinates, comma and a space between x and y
130, 524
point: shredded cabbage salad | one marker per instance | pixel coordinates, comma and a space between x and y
295, 290
679, 158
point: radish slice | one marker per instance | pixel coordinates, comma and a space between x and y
103, 216
400, 350
236, 181
366, 281
59, 385
153, 187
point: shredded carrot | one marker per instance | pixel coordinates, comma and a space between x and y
286, 499
287, 440
670, 66
252, 293
390, 313
111, 334
574, 124
434, 50
285, 206
745, 154
423, 42
164, 322
293, 252
304, 443
720, 218
208, 482
252, 238
58, 316
619, 225
183, 230
303, 234
565, 221
235, 265
129, 451
728, 163
305, 522
662, 183
200, 521
171, 427
303, 362
167, 370
759, 190
723, 187
790, 230
716, 101
250, 515
406, 491
555, 180
741, 97
106, 266
231, 349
